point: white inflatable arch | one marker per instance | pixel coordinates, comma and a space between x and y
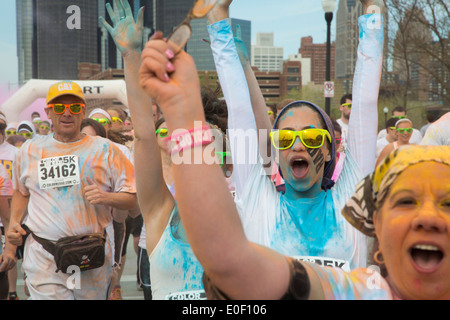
36, 89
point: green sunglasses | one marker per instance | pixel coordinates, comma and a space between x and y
399, 117
404, 130
162, 132
311, 138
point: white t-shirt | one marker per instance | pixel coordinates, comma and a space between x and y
438, 133
54, 175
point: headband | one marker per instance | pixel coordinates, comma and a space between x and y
11, 125
372, 190
103, 112
327, 182
25, 125
402, 120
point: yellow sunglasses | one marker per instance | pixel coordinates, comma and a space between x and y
102, 121
11, 132
116, 119
311, 138
26, 134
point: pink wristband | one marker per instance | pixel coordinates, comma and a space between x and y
198, 136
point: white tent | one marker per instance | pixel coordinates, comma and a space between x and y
35, 89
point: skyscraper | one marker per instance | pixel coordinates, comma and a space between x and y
165, 15
25, 38
48, 48
347, 39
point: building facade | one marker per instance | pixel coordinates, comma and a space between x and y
318, 53
265, 56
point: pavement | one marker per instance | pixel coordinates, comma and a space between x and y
128, 280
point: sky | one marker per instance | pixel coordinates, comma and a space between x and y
289, 20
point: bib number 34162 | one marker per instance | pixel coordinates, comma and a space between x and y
58, 172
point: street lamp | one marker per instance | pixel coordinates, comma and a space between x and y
385, 110
328, 6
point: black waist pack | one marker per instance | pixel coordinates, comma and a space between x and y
86, 251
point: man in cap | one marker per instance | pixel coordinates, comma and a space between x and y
68, 181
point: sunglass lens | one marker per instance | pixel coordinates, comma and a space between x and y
59, 108
163, 133
75, 108
283, 139
312, 138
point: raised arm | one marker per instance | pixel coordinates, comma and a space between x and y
153, 195
242, 128
258, 103
363, 124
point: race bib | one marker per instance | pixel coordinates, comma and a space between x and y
187, 295
56, 172
326, 262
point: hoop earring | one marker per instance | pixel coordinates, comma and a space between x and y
377, 256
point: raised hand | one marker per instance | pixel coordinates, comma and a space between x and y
171, 80
220, 11
127, 34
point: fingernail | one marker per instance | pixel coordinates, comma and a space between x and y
170, 67
170, 54
166, 77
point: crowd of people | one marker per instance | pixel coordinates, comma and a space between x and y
224, 198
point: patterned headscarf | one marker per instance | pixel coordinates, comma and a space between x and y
327, 182
372, 191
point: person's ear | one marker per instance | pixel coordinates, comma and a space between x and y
328, 155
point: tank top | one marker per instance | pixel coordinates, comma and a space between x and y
175, 272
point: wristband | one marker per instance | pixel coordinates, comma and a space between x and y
198, 136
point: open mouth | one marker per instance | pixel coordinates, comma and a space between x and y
300, 168
426, 257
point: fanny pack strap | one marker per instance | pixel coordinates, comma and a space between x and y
46, 244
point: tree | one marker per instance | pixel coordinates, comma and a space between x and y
419, 45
